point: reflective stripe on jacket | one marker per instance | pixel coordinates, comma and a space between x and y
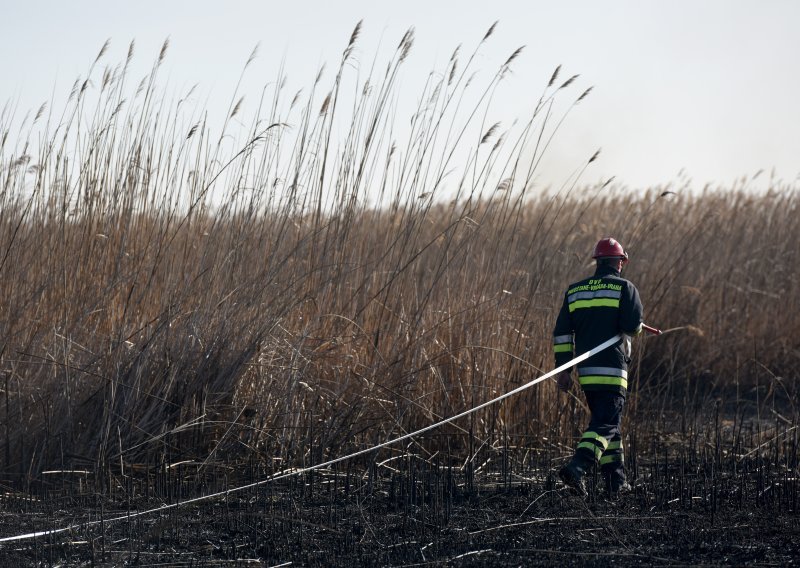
593, 310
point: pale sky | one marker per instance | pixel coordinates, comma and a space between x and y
707, 87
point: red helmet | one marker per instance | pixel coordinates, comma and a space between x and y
609, 248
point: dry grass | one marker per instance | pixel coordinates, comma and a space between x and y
166, 295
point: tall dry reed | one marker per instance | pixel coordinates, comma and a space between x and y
167, 296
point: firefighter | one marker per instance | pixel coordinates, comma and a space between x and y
594, 310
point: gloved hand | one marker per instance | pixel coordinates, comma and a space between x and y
564, 380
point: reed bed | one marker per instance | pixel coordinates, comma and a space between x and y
311, 283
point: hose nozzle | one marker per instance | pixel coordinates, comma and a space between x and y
652, 330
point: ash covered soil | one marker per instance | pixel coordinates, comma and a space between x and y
425, 516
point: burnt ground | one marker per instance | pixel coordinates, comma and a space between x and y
427, 518
723, 496
497, 528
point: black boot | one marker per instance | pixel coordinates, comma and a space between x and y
573, 478
616, 484
621, 488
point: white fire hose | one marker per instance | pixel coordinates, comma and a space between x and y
278, 476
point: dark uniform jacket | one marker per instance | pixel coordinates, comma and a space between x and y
594, 310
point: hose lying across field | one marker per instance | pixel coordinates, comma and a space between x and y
276, 477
